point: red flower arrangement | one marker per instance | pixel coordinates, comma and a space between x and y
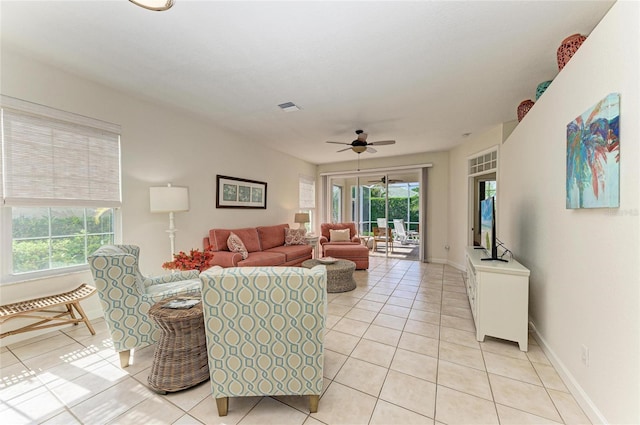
195, 260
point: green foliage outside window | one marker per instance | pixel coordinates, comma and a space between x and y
336, 207
397, 209
30, 255
50, 238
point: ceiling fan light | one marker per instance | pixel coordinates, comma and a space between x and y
359, 149
156, 5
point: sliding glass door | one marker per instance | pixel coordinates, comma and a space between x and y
385, 208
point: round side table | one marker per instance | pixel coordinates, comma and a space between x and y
180, 360
339, 274
313, 241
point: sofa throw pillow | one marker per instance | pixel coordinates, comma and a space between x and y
235, 245
294, 237
339, 235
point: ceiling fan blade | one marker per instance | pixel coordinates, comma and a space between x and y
383, 142
339, 143
362, 137
371, 150
345, 149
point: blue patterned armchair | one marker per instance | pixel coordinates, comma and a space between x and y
126, 295
265, 331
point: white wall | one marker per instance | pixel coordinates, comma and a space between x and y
585, 274
159, 145
437, 192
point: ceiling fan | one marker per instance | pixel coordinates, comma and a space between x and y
384, 180
360, 144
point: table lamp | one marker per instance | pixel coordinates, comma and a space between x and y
302, 219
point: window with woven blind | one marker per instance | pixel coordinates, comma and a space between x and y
307, 198
56, 158
60, 182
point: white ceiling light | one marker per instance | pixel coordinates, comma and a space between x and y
157, 5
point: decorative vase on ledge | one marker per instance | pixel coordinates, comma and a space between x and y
568, 48
523, 108
542, 87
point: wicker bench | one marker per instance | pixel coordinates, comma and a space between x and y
42, 309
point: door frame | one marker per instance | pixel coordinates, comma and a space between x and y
420, 169
480, 168
476, 203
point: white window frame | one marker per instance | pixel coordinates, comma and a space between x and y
8, 199
7, 276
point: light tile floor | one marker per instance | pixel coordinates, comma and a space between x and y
400, 349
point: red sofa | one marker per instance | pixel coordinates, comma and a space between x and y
265, 245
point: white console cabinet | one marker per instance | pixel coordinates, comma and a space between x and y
499, 297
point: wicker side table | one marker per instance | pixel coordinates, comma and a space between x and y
180, 360
339, 274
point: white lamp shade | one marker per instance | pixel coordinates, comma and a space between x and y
301, 218
168, 199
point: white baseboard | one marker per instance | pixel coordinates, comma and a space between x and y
582, 398
457, 266
460, 267
437, 260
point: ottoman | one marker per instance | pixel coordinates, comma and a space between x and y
339, 274
359, 254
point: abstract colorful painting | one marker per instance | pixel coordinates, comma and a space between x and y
593, 156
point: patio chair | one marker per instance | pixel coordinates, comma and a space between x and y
403, 235
382, 233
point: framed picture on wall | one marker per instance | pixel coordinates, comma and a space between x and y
593, 156
234, 192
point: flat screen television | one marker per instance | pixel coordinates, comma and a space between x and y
488, 229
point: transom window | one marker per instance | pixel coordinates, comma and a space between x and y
483, 163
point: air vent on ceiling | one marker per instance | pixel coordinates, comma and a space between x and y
288, 107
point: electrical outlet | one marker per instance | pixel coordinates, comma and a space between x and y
585, 355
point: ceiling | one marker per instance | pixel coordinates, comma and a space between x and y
422, 72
